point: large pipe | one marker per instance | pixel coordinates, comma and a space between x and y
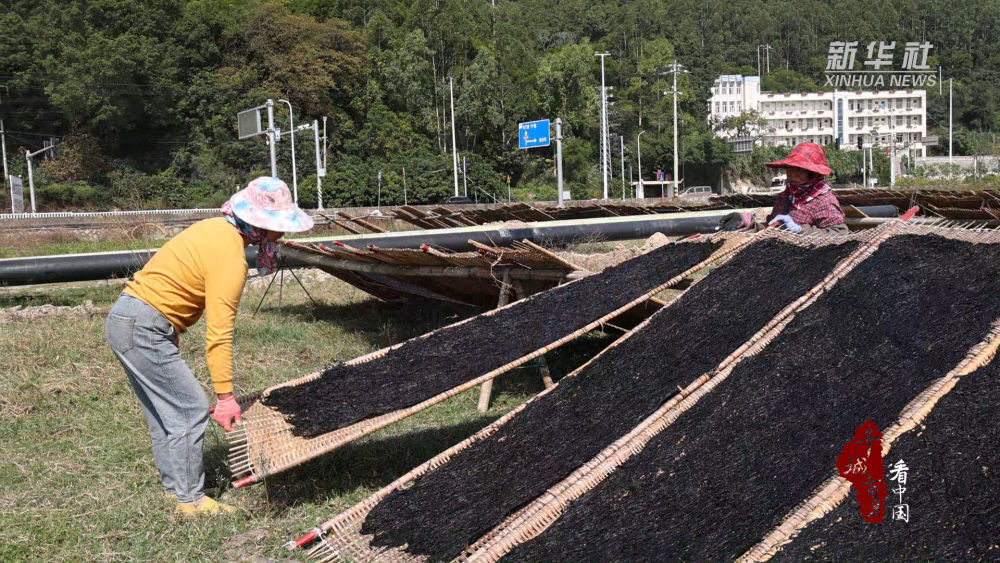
105, 265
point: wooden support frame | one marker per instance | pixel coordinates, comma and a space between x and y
486, 390
433, 271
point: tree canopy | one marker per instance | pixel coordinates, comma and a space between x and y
144, 93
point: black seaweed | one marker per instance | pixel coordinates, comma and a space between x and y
450, 507
426, 366
724, 474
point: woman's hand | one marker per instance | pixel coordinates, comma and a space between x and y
736, 221
226, 411
789, 223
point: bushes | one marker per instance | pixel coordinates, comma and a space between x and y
68, 195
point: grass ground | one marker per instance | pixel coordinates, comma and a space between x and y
77, 474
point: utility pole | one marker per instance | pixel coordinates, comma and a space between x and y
641, 192
675, 69
3, 142
28, 155
320, 162
454, 148
465, 182
892, 146
291, 127
621, 138
767, 53
559, 175
605, 165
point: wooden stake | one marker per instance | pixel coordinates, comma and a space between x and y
487, 389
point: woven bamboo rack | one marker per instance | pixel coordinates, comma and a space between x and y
831, 493
264, 445
341, 536
538, 515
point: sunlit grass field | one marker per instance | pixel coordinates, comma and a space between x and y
76, 466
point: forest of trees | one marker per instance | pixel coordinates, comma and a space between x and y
144, 93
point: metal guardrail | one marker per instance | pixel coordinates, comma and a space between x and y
85, 214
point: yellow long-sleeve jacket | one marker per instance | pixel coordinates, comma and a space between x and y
201, 270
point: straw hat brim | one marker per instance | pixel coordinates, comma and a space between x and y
798, 163
288, 220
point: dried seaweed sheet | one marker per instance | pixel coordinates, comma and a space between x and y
424, 367
453, 505
952, 489
717, 480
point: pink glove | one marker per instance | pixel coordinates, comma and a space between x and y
226, 413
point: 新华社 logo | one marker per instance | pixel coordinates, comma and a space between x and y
877, 69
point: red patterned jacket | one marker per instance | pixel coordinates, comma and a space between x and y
814, 206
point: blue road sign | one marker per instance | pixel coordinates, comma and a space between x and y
533, 134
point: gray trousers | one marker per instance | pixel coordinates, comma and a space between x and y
173, 401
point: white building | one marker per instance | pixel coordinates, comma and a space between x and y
823, 117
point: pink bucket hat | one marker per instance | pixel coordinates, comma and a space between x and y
267, 203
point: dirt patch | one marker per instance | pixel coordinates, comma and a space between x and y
426, 366
712, 484
242, 547
20, 313
599, 261
952, 490
452, 506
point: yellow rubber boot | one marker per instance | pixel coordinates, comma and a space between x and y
204, 505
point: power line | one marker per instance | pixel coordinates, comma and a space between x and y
36, 134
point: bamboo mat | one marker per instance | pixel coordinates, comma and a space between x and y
341, 539
264, 444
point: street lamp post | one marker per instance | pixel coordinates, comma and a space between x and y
454, 147
641, 194
621, 139
871, 155
950, 162
291, 127
605, 165
272, 137
559, 170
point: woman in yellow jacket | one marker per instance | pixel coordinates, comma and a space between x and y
201, 270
